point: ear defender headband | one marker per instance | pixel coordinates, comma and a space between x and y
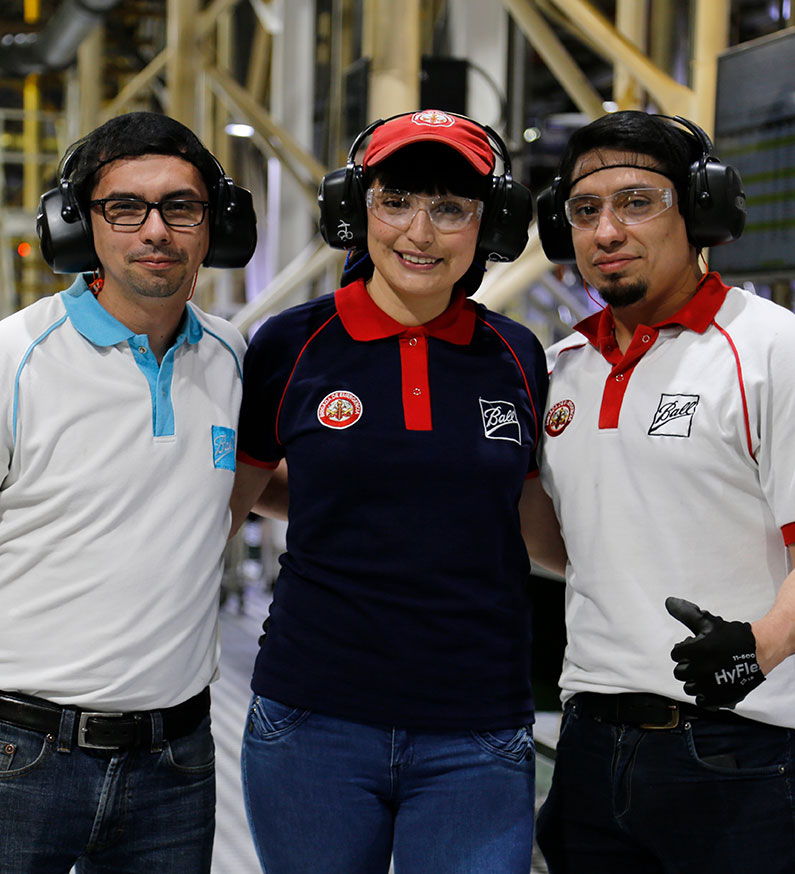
714, 211
67, 241
506, 216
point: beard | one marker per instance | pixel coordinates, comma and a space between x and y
616, 295
158, 286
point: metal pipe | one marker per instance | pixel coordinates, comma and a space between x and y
55, 46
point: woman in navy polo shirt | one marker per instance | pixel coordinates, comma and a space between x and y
392, 710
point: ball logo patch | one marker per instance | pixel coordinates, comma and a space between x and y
223, 447
433, 118
674, 416
559, 418
500, 421
340, 409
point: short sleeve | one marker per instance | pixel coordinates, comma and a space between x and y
776, 411
264, 382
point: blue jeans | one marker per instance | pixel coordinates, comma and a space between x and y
707, 796
140, 811
329, 796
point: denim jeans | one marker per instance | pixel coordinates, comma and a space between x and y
708, 796
137, 811
329, 796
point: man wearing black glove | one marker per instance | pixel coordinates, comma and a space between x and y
669, 454
719, 665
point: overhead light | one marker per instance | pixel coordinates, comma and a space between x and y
531, 134
239, 130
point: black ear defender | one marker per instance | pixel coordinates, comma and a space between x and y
716, 208
507, 214
343, 200
67, 242
233, 228
65, 236
714, 213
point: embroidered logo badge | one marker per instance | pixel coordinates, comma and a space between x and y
559, 418
223, 447
500, 421
433, 118
674, 416
340, 409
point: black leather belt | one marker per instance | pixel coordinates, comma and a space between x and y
645, 710
104, 730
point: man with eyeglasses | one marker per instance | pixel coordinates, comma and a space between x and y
670, 429
117, 440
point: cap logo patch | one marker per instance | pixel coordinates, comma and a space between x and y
500, 421
674, 416
340, 409
433, 118
559, 418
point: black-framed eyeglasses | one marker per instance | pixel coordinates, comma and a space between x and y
131, 213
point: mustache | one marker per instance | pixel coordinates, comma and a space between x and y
162, 251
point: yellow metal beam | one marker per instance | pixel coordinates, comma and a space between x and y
136, 85
280, 141
259, 64
554, 54
181, 73
710, 38
632, 21
89, 62
672, 97
392, 42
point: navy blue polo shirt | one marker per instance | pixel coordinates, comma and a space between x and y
403, 595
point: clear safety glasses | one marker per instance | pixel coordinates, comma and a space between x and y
632, 206
448, 212
133, 213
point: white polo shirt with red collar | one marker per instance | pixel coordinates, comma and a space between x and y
672, 470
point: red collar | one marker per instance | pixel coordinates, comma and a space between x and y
696, 315
364, 320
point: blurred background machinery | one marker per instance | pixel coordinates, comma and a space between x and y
279, 89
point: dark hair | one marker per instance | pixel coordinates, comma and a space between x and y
130, 135
639, 133
431, 168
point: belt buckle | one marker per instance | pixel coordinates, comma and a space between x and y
673, 721
82, 730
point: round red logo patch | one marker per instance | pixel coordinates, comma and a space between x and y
433, 118
559, 417
340, 409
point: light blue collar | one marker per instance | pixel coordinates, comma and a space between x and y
98, 326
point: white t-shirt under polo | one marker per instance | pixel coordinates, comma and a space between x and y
672, 470
115, 476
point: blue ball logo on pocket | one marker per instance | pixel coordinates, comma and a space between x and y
223, 447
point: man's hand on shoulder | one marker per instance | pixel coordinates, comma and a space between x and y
718, 665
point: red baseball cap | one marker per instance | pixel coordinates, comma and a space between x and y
432, 126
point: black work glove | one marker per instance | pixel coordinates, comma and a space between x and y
719, 664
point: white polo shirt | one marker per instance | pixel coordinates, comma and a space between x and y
115, 477
672, 470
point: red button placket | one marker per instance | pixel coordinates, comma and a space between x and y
623, 367
414, 373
